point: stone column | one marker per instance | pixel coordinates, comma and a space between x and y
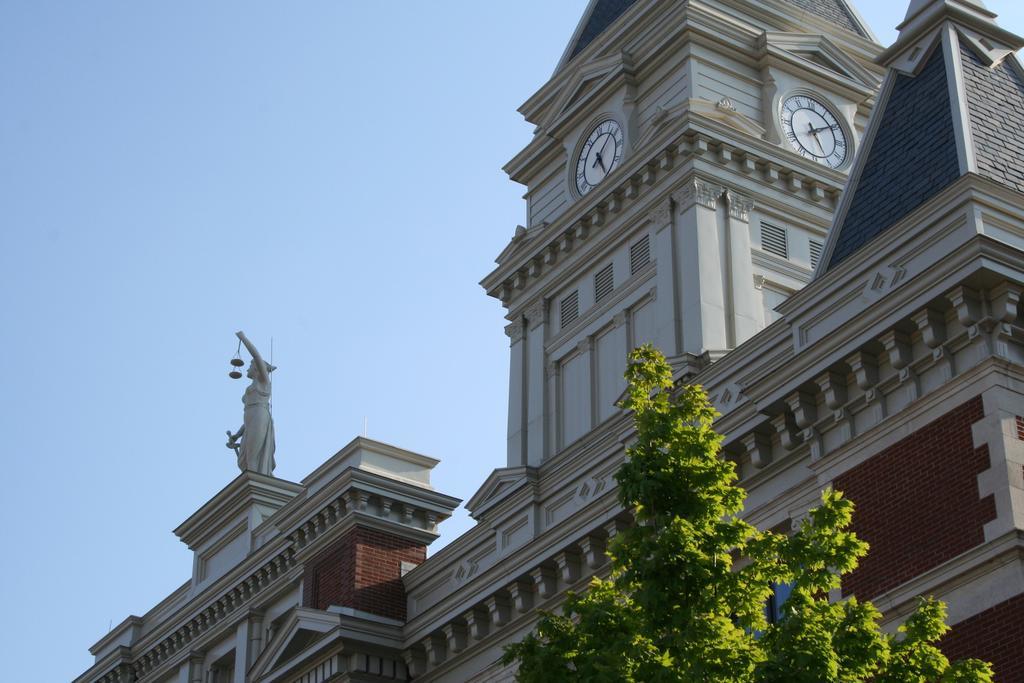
247, 644
551, 372
516, 396
700, 267
536, 405
667, 327
747, 313
573, 395
191, 670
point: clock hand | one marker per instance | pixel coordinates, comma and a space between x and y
598, 160
814, 133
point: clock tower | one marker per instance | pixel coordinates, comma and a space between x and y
686, 165
686, 162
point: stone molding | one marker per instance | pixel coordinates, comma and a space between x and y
569, 232
740, 205
514, 331
357, 497
698, 191
536, 313
661, 214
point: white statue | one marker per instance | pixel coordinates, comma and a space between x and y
256, 451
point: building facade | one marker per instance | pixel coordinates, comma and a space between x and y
685, 187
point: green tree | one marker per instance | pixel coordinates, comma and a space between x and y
689, 582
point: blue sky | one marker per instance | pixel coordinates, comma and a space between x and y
324, 174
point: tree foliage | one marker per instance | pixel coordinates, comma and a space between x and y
686, 597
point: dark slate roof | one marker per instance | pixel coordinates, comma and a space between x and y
912, 158
604, 14
995, 100
833, 11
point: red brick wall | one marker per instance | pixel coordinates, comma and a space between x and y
995, 635
329, 578
362, 570
917, 502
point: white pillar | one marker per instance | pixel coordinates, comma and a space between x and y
191, 670
552, 374
536, 409
247, 643
516, 396
700, 266
667, 327
747, 312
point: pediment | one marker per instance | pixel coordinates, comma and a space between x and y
500, 484
303, 629
584, 83
520, 239
821, 51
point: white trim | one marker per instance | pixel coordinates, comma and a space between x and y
958, 101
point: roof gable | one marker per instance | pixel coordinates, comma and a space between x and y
952, 104
501, 483
821, 51
302, 628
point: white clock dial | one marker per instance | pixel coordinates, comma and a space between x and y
600, 154
814, 131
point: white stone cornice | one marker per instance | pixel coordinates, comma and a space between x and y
536, 313
1005, 300
220, 605
740, 205
698, 191
932, 325
758, 447
514, 331
663, 158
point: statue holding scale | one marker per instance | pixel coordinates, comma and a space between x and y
256, 450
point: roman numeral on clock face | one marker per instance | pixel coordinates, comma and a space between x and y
813, 131
598, 155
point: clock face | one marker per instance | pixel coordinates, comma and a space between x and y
600, 154
814, 131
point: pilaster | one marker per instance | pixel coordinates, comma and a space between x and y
700, 259
191, 670
516, 395
747, 315
536, 404
668, 325
552, 372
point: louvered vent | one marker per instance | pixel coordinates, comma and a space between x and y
773, 240
815, 253
604, 283
570, 309
639, 255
